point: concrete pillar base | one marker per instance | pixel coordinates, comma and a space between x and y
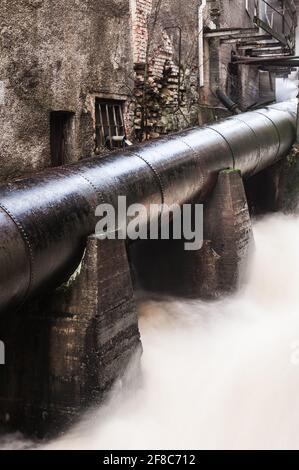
219, 268
227, 225
65, 352
275, 189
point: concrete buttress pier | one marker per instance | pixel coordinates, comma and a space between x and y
227, 225
219, 267
65, 351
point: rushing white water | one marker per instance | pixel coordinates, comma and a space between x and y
287, 88
215, 375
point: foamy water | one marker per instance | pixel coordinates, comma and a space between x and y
215, 375
287, 88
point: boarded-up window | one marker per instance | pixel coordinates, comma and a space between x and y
110, 129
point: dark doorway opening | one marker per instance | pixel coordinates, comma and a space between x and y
61, 137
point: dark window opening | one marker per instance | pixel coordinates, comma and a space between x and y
110, 129
61, 137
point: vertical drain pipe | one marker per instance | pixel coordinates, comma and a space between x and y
201, 9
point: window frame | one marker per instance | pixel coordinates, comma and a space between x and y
109, 123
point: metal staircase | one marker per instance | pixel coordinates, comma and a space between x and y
272, 36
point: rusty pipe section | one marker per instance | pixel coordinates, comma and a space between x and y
45, 219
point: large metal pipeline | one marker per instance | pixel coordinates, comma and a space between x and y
45, 219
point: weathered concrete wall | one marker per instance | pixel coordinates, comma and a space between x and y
245, 85
60, 56
232, 13
55, 56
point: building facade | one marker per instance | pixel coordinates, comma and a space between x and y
83, 77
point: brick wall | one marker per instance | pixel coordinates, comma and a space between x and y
141, 10
160, 106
